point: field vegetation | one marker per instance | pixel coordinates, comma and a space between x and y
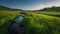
41, 22
51, 13
36, 23
6, 17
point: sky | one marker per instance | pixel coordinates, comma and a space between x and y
29, 4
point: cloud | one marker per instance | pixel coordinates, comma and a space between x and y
49, 4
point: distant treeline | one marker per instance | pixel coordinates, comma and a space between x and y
7, 8
53, 8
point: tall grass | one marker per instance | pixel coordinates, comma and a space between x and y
7, 17
36, 23
57, 14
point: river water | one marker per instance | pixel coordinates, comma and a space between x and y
20, 18
15, 26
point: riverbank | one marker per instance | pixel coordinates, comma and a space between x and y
7, 17
15, 26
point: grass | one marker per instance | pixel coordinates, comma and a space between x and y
7, 17
36, 23
51, 13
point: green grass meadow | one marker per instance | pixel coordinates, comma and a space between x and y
51, 13
38, 23
34, 22
5, 18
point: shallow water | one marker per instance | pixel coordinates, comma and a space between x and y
19, 19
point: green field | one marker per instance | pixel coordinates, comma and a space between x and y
7, 17
34, 22
38, 23
51, 13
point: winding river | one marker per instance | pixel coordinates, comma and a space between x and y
15, 26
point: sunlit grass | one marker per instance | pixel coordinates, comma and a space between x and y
57, 14
36, 23
7, 15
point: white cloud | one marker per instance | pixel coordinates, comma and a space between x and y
52, 3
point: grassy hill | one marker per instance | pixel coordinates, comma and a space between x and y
9, 9
4, 8
53, 8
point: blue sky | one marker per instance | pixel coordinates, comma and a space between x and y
29, 4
